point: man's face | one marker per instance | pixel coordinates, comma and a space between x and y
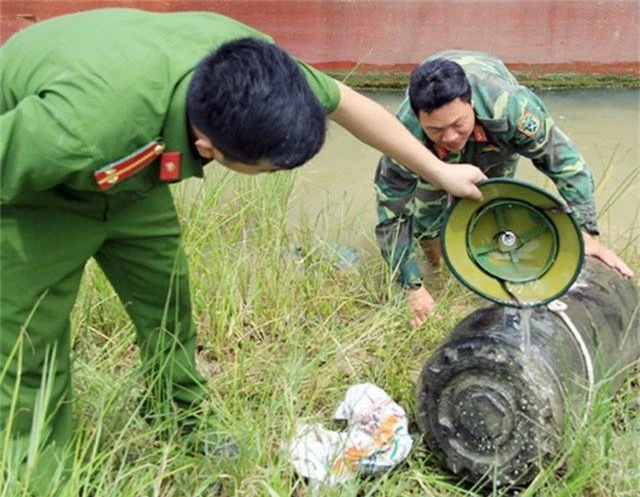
450, 125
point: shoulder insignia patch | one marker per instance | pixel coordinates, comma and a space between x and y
170, 166
117, 171
528, 124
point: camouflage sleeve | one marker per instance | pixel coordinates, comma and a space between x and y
537, 137
395, 188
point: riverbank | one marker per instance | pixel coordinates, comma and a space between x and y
371, 80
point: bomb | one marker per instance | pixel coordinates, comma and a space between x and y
496, 396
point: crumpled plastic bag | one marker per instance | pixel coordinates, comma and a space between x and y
377, 439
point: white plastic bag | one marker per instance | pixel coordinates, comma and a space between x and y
377, 439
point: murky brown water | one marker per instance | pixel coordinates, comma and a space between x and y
336, 188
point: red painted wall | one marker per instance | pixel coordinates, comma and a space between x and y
543, 36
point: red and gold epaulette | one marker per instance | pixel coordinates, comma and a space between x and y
119, 170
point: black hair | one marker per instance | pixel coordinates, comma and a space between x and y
253, 102
437, 82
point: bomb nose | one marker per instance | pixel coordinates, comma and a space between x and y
485, 413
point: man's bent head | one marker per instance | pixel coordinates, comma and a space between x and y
252, 101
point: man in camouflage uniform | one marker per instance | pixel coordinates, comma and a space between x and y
467, 107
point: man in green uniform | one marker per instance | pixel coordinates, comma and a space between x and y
467, 107
100, 111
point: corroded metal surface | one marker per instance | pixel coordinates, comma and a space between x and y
494, 399
546, 36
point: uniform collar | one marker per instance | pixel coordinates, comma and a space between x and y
483, 109
175, 132
441, 151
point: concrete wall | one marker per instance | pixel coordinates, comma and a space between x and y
540, 36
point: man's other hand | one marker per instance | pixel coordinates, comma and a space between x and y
421, 305
595, 248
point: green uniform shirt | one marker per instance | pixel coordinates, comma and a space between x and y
511, 121
78, 96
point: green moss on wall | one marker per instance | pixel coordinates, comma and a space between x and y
397, 81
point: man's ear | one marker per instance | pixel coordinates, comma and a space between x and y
204, 145
205, 148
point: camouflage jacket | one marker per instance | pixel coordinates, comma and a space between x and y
511, 121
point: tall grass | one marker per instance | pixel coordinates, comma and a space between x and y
283, 332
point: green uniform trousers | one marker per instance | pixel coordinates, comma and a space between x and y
136, 241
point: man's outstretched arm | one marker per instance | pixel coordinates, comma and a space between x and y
374, 125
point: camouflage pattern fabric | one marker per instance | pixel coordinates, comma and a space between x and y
511, 121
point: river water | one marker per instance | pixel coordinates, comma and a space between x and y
335, 189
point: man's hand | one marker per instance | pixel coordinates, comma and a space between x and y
460, 180
595, 248
421, 304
